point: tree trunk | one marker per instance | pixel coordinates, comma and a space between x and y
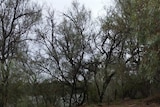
5, 77
4, 94
105, 84
71, 96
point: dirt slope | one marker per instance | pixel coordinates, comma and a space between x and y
153, 101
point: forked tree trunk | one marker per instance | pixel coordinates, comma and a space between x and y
105, 84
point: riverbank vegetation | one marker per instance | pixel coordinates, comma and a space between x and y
47, 60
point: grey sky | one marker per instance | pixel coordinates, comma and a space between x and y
96, 6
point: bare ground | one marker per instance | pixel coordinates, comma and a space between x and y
153, 101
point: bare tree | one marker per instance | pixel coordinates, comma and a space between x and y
67, 46
16, 19
109, 44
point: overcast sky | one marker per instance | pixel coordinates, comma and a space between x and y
96, 6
